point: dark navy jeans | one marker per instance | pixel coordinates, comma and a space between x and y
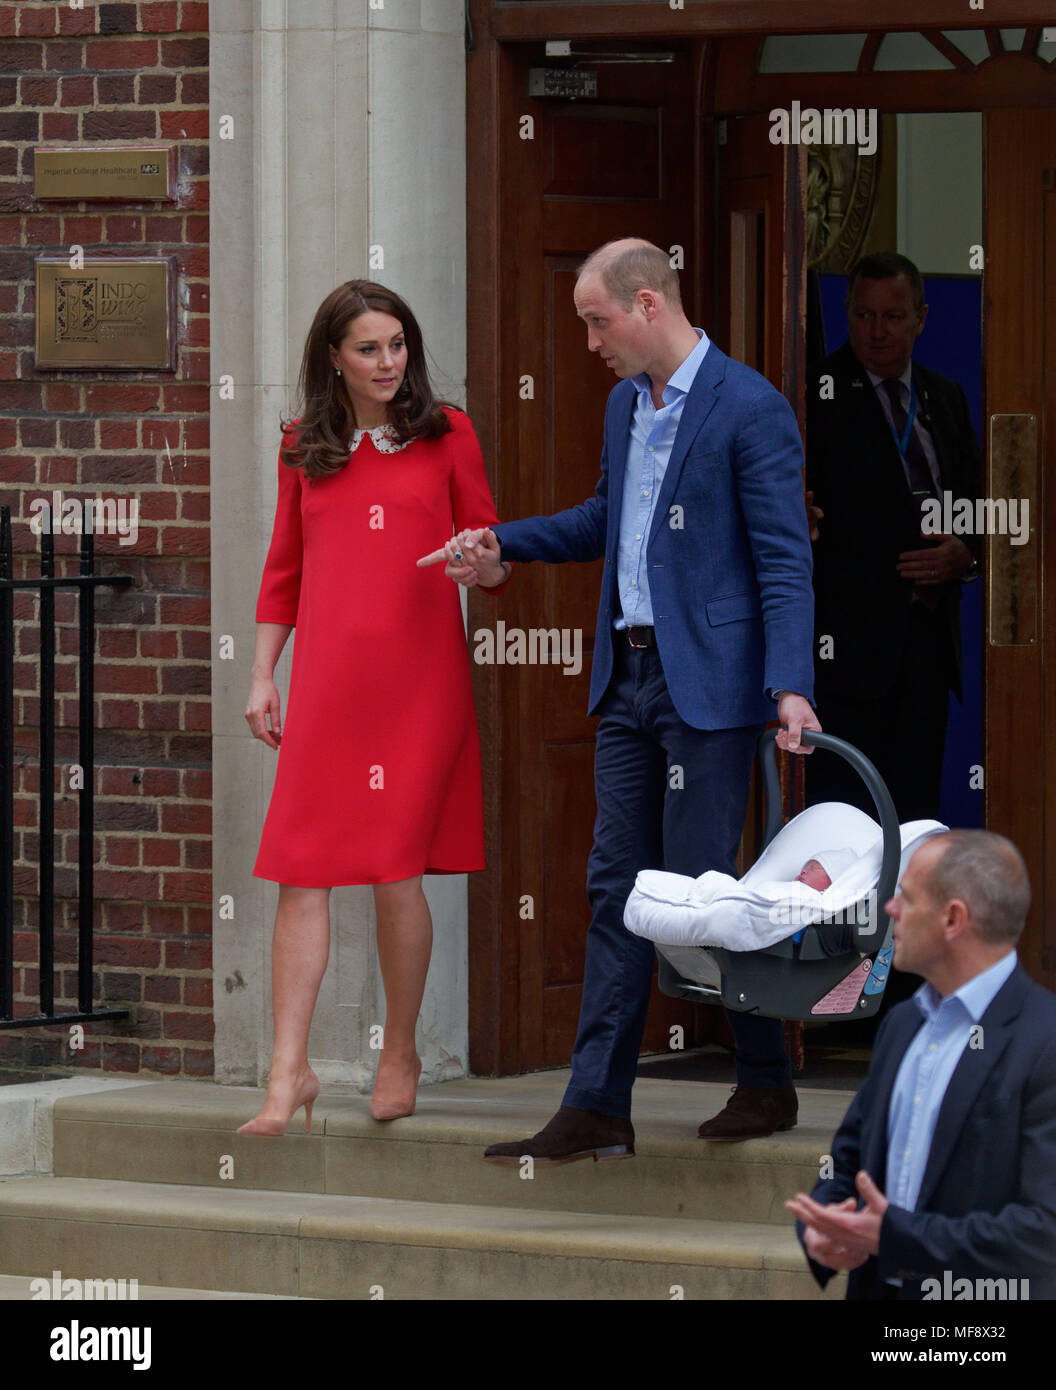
646, 820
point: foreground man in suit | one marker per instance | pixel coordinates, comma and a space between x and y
703, 635
951, 1142
884, 435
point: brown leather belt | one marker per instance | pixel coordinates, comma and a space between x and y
639, 636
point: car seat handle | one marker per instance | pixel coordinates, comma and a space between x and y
876, 937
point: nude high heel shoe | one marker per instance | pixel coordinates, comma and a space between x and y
305, 1095
394, 1101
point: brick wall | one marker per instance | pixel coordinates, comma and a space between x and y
114, 73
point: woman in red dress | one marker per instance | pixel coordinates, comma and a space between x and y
378, 777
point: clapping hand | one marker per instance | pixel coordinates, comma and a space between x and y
472, 558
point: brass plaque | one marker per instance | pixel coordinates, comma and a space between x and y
113, 311
116, 173
1012, 551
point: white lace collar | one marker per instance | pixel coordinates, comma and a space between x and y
384, 438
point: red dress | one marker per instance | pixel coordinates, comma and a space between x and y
378, 775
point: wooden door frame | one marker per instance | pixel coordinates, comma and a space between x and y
491, 121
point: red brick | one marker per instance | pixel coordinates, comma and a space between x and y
188, 955
159, 645
195, 818
119, 125
198, 992
117, 642
118, 434
197, 1063
123, 228
76, 434
123, 1056
186, 887
185, 53
200, 921
63, 56
37, 21
7, 18
123, 950
38, 91
163, 1060
114, 398
125, 680
196, 645
195, 16
161, 853
157, 89
119, 714
178, 610
184, 125
55, 126
62, 396
130, 54
194, 88
76, 21
115, 89
115, 883
197, 716
161, 781
198, 854
84, 231
198, 1027
161, 989
162, 715
160, 18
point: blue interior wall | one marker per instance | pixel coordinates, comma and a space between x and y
951, 343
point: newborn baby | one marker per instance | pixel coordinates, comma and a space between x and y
817, 873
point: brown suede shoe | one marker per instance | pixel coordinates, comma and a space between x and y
570, 1135
753, 1112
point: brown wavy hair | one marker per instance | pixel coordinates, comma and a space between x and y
323, 423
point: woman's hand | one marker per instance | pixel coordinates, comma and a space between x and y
472, 558
264, 699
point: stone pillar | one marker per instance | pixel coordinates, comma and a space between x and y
337, 150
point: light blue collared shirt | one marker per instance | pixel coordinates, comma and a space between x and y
925, 1075
648, 451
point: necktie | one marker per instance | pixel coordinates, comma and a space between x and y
921, 483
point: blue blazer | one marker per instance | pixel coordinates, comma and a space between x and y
987, 1204
729, 550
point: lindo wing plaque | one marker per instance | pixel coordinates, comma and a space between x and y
111, 311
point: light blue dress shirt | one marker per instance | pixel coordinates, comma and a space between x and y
648, 451
925, 1074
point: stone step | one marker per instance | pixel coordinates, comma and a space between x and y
184, 1132
21, 1288
316, 1245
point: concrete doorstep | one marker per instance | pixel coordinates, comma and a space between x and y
151, 1182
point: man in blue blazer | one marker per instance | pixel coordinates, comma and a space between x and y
704, 632
943, 1181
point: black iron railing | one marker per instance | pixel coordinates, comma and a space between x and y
85, 583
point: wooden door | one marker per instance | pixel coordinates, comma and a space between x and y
1019, 324
585, 172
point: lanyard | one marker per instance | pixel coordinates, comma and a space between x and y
902, 440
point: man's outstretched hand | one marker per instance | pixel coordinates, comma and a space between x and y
796, 715
472, 558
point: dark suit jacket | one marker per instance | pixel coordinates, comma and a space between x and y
728, 554
987, 1205
859, 482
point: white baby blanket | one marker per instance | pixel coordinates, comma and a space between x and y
766, 905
